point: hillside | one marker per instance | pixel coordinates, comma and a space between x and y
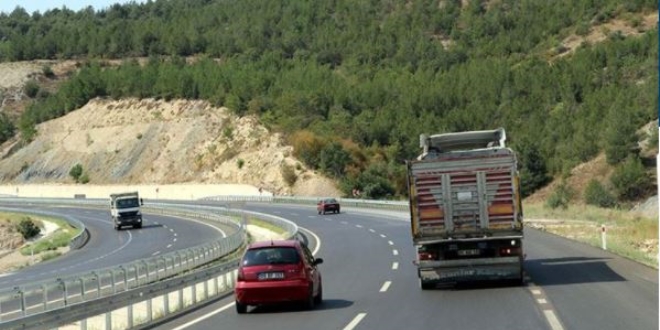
149, 141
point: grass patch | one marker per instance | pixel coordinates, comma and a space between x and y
266, 225
629, 234
60, 238
50, 255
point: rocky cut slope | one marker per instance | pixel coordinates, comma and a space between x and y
145, 141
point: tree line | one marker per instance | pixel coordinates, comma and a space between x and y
354, 83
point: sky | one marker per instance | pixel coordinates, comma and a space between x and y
7, 6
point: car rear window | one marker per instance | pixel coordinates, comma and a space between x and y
271, 256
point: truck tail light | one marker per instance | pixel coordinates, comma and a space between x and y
427, 256
509, 251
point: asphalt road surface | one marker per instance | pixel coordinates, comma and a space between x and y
370, 283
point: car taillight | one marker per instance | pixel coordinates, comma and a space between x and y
427, 256
241, 275
509, 251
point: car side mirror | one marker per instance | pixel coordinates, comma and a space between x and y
141, 201
318, 261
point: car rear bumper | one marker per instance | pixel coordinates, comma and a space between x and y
472, 270
257, 293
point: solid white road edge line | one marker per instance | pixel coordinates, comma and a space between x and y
553, 320
204, 317
355, 321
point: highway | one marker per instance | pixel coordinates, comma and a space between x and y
370, 283
107, 247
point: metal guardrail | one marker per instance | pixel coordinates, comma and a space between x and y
354, 202
34, 303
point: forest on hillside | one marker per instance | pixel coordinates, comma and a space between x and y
354, 83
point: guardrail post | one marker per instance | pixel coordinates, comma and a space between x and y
21, 295
65, 291
45, 288
166, 303
146, 266
150, 315
82, 289
97, 278
108, 320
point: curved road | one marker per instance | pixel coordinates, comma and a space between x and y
107, 247
370, 283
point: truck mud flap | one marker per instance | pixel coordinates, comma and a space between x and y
471, 273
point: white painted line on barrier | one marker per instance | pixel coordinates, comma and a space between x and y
204, 317
395, 265
355, 321
553, 320
385, 286
395, 252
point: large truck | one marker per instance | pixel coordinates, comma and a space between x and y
465, 209
125, 210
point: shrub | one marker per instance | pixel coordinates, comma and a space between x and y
28, 228
240, 163
76, 171
560, 197
289, 175
31, 88
47, 71
84, 178
596, 194
630, 179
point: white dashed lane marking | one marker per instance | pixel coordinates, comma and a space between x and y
355, 321
395, 265
358, 226
395, 252
385, 286
383, 236
371, 230
390, 242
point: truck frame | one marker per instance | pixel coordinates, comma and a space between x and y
125, 210
465, 209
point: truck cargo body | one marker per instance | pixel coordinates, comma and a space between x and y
466, 212
125, 210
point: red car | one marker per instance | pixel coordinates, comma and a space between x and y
279, 271
327, 205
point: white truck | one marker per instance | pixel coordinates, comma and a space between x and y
465, 209
125, 210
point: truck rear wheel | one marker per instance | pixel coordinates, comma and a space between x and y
424, 285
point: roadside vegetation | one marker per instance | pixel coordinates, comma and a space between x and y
628, 234
353, 84
30, 227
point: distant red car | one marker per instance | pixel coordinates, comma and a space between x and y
328, 205
280, 271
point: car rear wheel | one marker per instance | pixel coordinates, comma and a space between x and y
241, 308
319, 297
310, 302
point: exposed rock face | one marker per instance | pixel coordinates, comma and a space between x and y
148, 141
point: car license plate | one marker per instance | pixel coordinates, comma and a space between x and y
271, 276
465, 253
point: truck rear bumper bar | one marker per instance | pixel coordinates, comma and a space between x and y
471, 270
